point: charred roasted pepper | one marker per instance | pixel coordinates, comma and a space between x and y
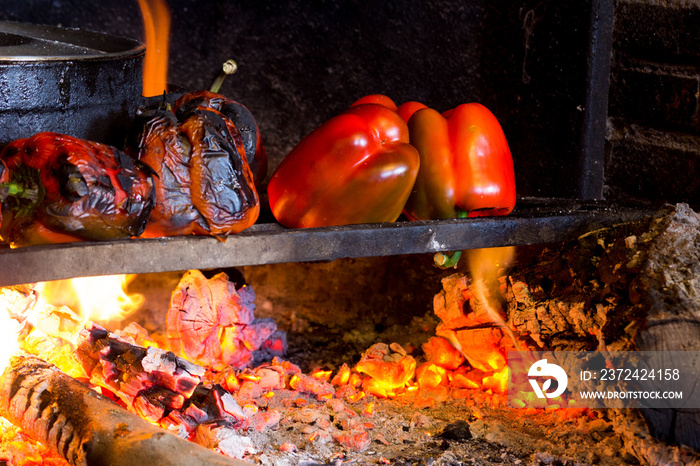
358, 167
241, 118
57, 188
204, 184
466, 164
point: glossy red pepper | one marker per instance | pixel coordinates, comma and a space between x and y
466, 164
358, 167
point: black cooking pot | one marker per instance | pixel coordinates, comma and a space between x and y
75, 82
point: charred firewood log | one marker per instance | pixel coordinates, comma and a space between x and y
155, 384
668, 289
632, 287
86, 428
149, 381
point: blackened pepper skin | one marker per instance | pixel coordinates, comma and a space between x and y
161, 145
204, 184
60, 188
241, 118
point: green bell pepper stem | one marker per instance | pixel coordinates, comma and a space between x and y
446, 260
229, 67
25, 189
11, 189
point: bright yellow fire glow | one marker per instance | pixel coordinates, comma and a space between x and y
156, 21
9, 329
101, 299
497, 382
321, 375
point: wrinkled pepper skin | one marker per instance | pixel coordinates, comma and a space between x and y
204, 185
57, 188
358, 167
162, 148
466, 164
241, 118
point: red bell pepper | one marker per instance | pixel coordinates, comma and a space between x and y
466, 164
358, 167
407, 109
380, 99
56, 188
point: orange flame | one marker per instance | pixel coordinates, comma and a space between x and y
101, 299
485, 265
156, 21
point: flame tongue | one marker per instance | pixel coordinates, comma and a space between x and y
43, 323
102, 299
156, 20
485, 265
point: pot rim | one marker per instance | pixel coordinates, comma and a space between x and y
38, 43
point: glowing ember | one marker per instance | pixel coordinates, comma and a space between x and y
498, 382
354, 398
342, 377
101, 299
443, 353
156, 20
322, 375
431, 375
389, 369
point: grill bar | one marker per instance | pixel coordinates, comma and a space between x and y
268, 243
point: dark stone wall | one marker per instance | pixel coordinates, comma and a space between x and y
654, 132
301, 63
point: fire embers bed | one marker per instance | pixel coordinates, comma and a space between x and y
222, 378
219, 378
